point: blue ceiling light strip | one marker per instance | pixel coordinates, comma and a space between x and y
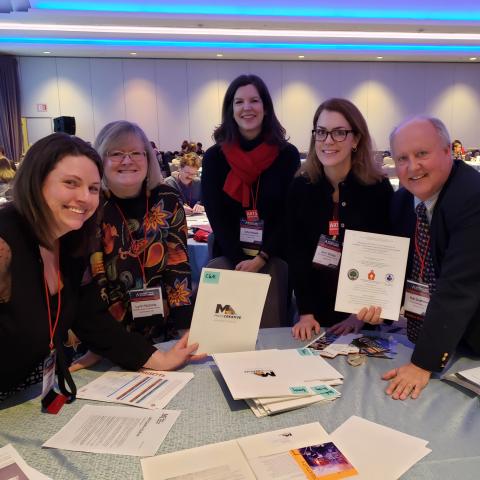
178, 44
451, 14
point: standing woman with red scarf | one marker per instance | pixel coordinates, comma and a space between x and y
245, 179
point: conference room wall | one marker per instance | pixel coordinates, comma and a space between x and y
175, 100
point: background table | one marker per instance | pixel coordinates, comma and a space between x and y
198, 256
197, 251
445, 415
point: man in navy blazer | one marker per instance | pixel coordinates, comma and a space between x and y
451, 192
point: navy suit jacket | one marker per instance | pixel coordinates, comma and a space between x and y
453, 313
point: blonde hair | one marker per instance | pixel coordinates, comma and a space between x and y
190, 159
363, 164
7, 173
111, 134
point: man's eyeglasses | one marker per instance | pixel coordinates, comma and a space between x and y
338, 135
118, 156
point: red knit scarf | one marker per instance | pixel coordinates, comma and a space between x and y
246, 167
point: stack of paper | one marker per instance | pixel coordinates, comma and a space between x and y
278, 380
147, 388
262, 407
466, 378
359, 449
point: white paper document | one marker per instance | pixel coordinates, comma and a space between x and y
372, 272
265, 456
228, 310
378, 452
275, 373
219, 461
116, 430
197, 220
14, 467
147, 389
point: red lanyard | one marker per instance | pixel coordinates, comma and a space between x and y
421, 258
255, 197
59, 307
140, 262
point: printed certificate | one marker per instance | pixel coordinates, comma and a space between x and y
372, 272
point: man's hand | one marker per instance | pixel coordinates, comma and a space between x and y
254, 265
406, 381
302, 330
350, 325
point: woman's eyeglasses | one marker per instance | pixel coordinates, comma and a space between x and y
118, 156
338, 135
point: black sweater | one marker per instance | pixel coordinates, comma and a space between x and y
24, 330
310, 208
224, 213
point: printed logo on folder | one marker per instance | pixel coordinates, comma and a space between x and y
226, 312
262, 372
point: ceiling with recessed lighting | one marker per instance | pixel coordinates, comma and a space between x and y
430, 30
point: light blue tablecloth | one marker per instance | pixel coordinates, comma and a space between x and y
447, 416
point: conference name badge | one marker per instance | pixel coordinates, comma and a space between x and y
417, 296
51, 401
327, 253
251, 236
146, 302
48, 380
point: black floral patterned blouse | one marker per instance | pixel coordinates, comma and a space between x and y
156, 240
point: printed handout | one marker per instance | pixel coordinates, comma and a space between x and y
147, 388
116, 430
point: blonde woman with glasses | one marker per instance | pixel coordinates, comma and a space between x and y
338, 187
141, 270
